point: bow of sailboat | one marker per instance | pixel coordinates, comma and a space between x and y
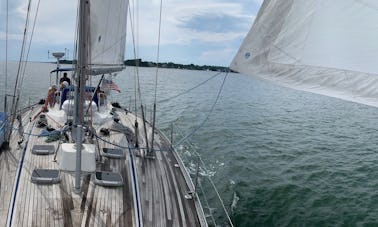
78, 160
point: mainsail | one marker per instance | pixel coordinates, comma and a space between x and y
107, 25
321, 46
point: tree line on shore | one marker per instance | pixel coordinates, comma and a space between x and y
170, 65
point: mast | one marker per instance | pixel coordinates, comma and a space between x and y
81, 67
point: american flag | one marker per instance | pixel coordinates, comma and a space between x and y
111, 85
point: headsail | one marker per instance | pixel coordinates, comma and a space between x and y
326, 47
107, 20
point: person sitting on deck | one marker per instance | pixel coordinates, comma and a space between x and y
50, 99
65, 78
63, 85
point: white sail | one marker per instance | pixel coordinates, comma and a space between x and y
107, 31
321, 46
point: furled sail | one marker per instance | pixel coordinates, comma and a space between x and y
321, 46
107, 25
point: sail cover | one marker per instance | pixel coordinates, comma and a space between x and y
107, 26
321, 46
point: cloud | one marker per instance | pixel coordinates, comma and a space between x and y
16, 18
197, 23
217, 57
214, 23
55, 22
10, 36
185, 21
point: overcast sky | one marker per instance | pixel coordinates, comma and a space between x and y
196, 31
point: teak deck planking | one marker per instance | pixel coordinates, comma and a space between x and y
160, 190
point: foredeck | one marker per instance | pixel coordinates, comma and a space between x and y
155, 190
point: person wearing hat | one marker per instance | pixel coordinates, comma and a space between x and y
63, 85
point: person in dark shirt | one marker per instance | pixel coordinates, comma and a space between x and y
65, 78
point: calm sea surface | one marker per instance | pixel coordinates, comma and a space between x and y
279, 157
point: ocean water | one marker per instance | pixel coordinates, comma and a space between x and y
278, 157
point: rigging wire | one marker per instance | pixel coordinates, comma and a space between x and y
76, 44
195, 130
208, 114
156, 77
15, 98
6, 50
29, 47
207, 204
211, 182
190, 89
158, 50
138, 81
136, 78
5, 118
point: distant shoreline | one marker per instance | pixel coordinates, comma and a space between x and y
169, 65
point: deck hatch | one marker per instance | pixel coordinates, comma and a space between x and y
39, 149
113, 153
45, 176
110, 179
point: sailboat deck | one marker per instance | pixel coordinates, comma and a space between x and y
153, 194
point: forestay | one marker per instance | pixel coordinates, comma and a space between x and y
322, 46
107, 20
